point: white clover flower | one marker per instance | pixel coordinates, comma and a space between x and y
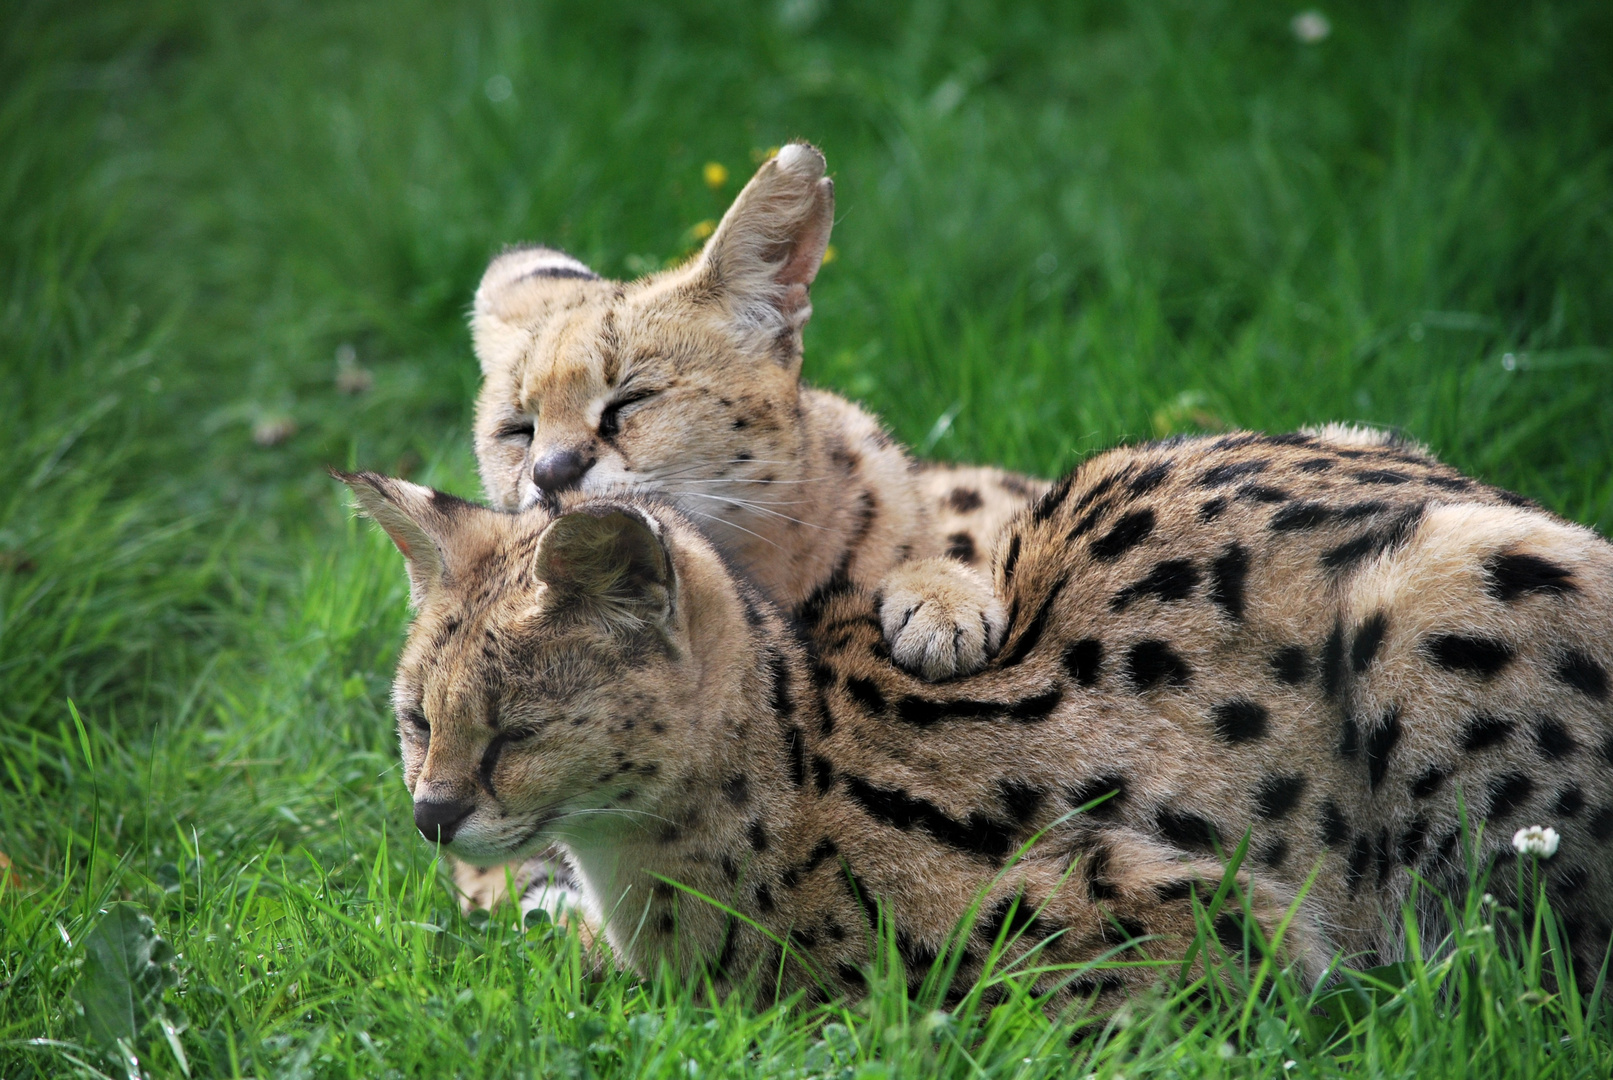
1539, 840
1310, 26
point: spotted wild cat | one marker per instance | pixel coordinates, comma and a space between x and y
1329, 643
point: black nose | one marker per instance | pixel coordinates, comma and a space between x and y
558, 470
438, 821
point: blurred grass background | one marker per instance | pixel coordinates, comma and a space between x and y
237, 243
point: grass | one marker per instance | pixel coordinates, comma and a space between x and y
1061, 225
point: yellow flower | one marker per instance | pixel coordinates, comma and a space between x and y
829, 254
716, 174
702, 229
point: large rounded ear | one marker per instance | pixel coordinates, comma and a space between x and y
608, 562
420, 521
521, 288
765, 254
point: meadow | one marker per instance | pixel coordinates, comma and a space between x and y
237, 244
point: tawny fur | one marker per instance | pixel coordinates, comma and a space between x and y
686, 384
1328, 646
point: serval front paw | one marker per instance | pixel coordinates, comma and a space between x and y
940, 618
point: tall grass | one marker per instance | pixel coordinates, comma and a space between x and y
1060, 225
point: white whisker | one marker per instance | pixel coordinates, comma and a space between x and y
748, 505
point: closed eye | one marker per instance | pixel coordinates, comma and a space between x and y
417, 720
520, 429
610, 420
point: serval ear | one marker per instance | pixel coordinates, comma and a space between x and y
422, 523
762, 259
521, 288
608, 562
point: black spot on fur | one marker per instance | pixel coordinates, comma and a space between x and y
1170, 892
1153, 663
1484, 730
1262, 493
1301, 515
1015, 914
1373, 542
1212, 509
961, 546
1227, 575
977, 834
1380, 744
1126, 534
1236, 470
1173, 579
1509, 792
1356, 868
1566, 881
1479, 656
1410, 846
1036, 707
1428, 781
1229, 933
866, 694
1583, 673
1083, 660
1028, 638
1382, 854
736, 789
1021, 800
1570, 801
1240, 720
1601, 824
1088, 520
1368, 638
1049, 503
1315, 465
963, 500
1291, 664
1111, 784
1335, 830
1273, 853
779, 673
1277, 795
1333, 661
1011, 559
1095, 868
764, 899
795, 753
1186, 830
756, 835
1349, 738
923, 712
1553, 739
1379, 476
1150, 478
1512, 576
1449, 483
823, 773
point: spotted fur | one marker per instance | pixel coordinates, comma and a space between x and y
662, 721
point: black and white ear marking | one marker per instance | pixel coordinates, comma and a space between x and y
765, 254
610, 561
418, 519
